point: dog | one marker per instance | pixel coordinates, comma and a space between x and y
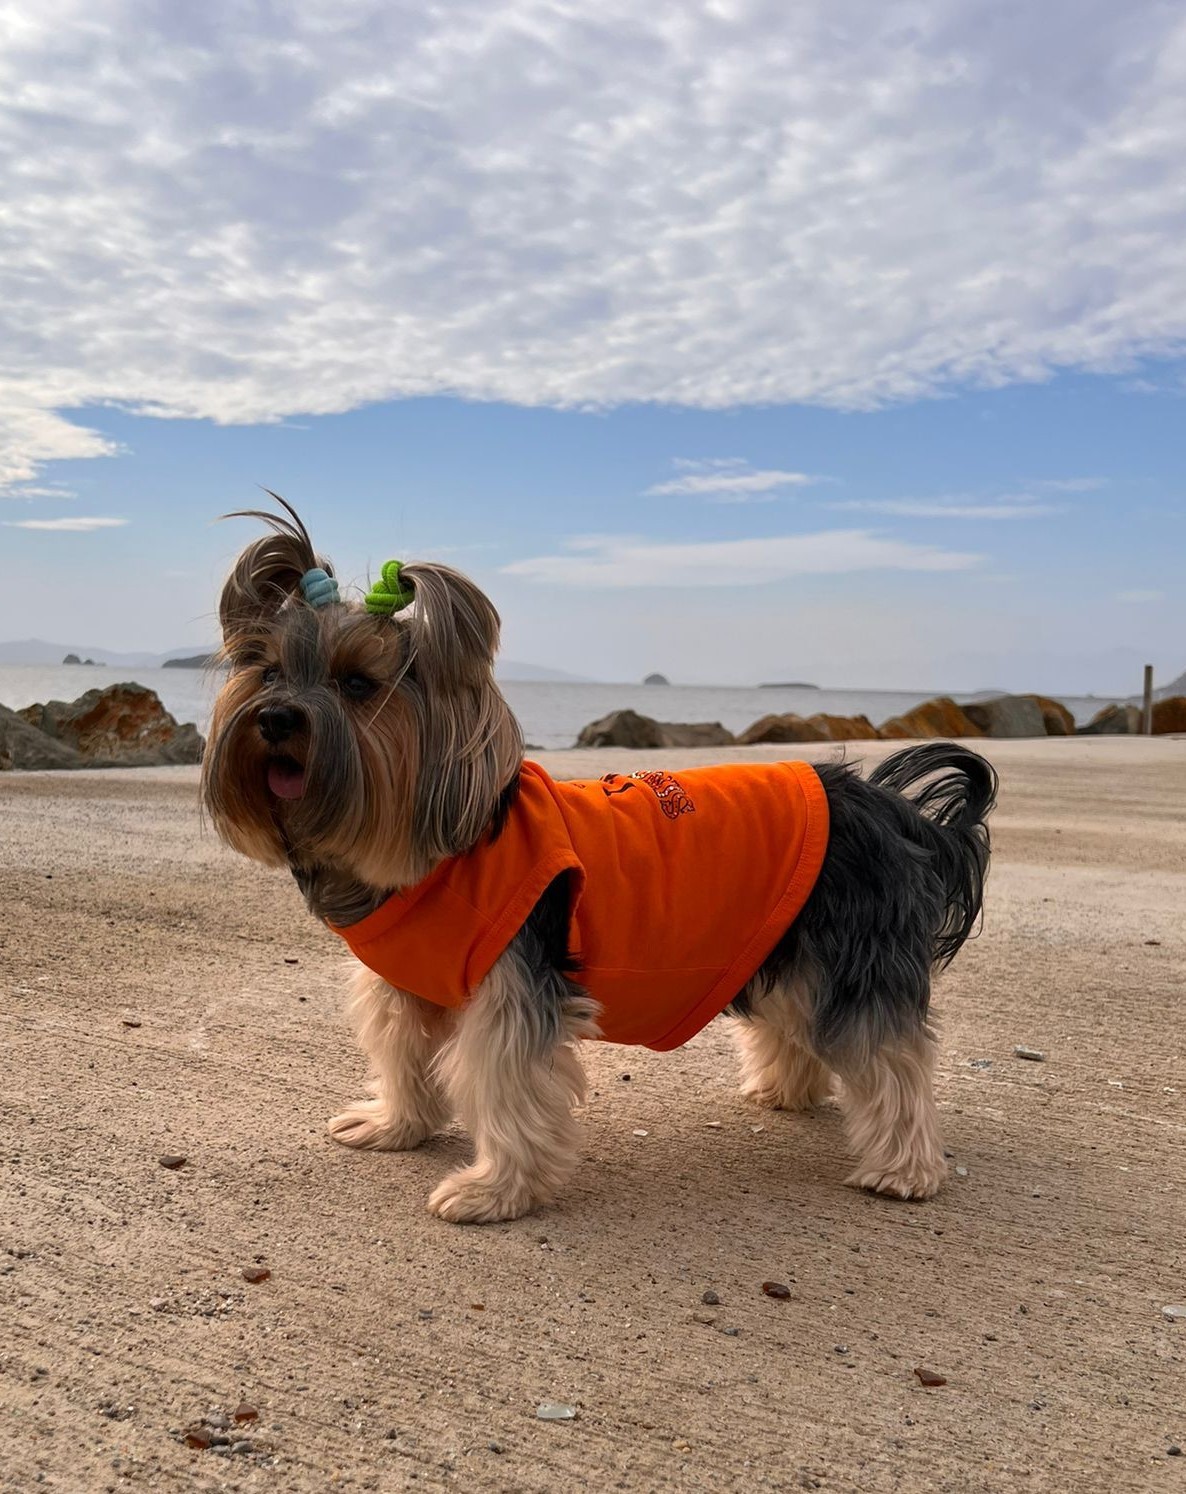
366, 747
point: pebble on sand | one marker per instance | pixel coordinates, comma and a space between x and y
555, 1411
171, 1161
1035, 1055
929, 1377
776, 1289
1174, 1314
256, 1274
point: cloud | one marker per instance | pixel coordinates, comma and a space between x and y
1068, 484
246, 213
65, 526
951, 508
728, 480
1140, 596
623, 561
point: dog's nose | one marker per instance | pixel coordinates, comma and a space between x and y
278, 722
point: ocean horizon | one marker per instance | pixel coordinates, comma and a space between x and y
550, 713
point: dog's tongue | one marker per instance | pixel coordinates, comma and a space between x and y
286, 780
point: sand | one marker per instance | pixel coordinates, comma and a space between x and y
162, 996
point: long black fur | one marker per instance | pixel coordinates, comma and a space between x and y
899, 893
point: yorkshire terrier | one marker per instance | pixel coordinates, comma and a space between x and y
501, 917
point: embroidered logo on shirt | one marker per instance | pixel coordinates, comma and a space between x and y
673, 800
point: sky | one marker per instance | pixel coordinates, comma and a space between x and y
841, 342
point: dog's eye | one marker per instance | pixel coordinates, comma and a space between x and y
271, 674
358, 686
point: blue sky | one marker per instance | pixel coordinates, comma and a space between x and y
735, 344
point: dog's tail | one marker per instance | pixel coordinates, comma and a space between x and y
954, 790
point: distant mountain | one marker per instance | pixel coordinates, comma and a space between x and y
38, 651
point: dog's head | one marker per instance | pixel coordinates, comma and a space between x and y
377, 743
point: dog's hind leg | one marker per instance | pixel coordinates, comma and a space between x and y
401, 1035
892, 1120
778, 1068
513, 1077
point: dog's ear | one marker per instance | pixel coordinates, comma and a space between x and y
470, 743
268, 572
453, 627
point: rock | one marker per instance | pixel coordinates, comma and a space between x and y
781, 729
1035, 1055
24, 747
776, 1289
1059, 721
929, 1376
696, 734
629, 729
1007, 716
1113, 721
1169, 715
710, 1299
255, 1274
656, 679
1174, 1314
172, 1161
940, 717
845, 728
123, 724
554, 1411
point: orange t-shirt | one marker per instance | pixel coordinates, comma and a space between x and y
681, 884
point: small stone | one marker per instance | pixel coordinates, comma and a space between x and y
710, 1299
929, 1376
731, 1332
980, 1063
840, 1348
477, 1307
291, 960
244, 1445
555, 1411
198, 1436
713, 1125
641, 1132
425, 1314
776, 1289
132, 1022
172, 1161
245, 1411
961, 1172
708, 1318
625, 1078
1035, 1055
1174, 1314
256, 1274
681, 1446
219, 1420
495, 1447
1153, 942
756, 1129
1173, 1451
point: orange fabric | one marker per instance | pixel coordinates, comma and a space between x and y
681, 886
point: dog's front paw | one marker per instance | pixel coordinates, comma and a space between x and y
911, 1182
471, 1196
367, 1124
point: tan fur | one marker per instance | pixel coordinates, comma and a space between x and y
892, 1122
401, 1035
778, 1069
515, 1100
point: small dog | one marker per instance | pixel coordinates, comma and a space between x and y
368, 749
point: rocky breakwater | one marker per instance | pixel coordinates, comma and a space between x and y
123, 726
1000, 716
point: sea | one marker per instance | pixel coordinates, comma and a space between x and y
551, 714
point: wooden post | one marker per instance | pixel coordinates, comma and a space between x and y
1147, 710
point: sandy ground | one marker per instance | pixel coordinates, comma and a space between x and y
160, 996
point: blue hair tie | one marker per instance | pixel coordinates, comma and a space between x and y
319, 588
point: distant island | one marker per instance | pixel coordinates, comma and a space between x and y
656, 679
786, 685
74, 659
195, 661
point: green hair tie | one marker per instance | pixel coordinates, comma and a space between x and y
389, 594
